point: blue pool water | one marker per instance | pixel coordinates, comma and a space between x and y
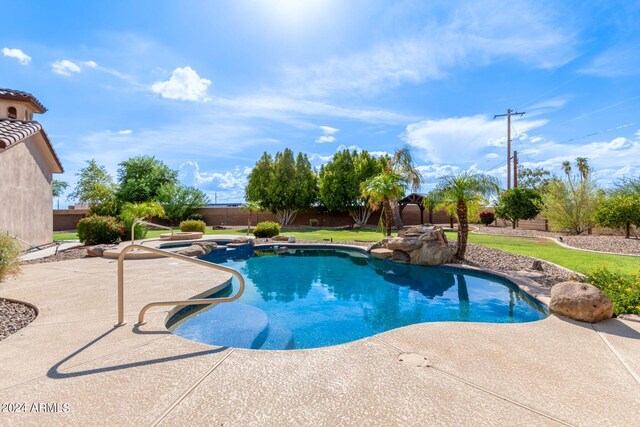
319, 297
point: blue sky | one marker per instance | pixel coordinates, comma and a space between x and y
208, 86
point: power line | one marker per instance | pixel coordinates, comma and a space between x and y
510, 113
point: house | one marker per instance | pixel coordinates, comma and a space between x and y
27, 165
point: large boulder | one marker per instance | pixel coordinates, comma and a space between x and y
96, 251
193, 250
406, 244
580, 301
423, 245
381, 253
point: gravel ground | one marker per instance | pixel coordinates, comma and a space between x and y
495, 259
13, 317
74, 253
613, 244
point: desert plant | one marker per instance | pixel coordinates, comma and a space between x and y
266, 229
193, 225
196, 216
486, 217
9, 252
380, 190
619, 211
96, 229
179, 201
132, 211
518, 203
570, 204
622, 289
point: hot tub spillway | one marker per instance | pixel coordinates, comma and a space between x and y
236, 324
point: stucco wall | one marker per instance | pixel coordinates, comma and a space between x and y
25, 192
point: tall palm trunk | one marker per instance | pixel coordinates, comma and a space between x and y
463, 228
388, 215
430, 215
397, 217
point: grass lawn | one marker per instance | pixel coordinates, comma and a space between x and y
583, 262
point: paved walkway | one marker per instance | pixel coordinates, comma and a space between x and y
51, 250
551, 372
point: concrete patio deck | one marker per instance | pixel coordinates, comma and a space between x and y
549, 372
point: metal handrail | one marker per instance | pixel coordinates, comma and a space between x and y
31, 245
202, 301
140, 221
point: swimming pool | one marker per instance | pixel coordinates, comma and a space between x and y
316, 297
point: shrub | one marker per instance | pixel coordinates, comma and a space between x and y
145, 211
193, 225
619, 211
9, 251
95, 230
622, 289
518, 203
486, 217
266, 229
196, 216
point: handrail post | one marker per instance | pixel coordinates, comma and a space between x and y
201, 301
141, 221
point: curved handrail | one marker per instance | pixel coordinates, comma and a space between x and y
140, 221
201, 301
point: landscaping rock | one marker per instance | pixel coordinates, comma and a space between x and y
242, 239
281, 238
96, 251
207, 246
537, 265
406, 244
401, 256
423, 245
381, 253
580, 301
291, 239
193, 250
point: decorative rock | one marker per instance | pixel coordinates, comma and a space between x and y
242, 239
580, 301
193, 250
433, 253
291, 239
381, 253
401, 256
96, 251
281, 238
406, 244
537, 265
207, 246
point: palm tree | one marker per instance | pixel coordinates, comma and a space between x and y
402, 165
379, 190
566, 165
430, 201
251, 208
583, 166
459, 192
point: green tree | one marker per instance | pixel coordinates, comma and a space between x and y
58, 187
340, 181
143, 210
251, 208
461, 193
430, 202
402, 164
570, 204
619, 211
95, 187
179, 201
283, 185
536, 179
628, 185
140, 179
379, 190
518, 203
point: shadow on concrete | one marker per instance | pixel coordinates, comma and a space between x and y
610, 327
55, 371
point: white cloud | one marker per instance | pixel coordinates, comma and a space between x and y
618, 61
227, 186
472, 34
18, 54
125, 132
184, 84
325, 138
91, 64
328, 133
65, 67
462, 138
328, 130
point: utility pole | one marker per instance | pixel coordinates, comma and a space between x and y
510, 113
515, 169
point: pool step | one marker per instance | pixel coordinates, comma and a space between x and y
278, 339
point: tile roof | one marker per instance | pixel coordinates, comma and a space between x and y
22, 96
14, 131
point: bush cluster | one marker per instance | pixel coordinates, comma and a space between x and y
622, 289
193, 225
266, 229
486, 217
9, 252
96, 230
